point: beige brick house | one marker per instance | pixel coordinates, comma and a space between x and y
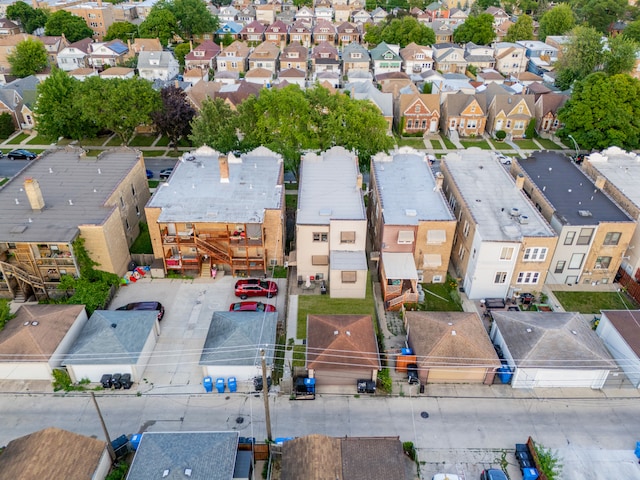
60, 197
463, 113
508, 112
220, 212
412, 225
234, 58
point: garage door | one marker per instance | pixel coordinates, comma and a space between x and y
24, 371
455, 375
340, 377
569, 378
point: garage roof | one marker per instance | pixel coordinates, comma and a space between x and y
627, 323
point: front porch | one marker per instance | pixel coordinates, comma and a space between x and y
398, 280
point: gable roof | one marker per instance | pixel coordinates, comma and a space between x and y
165, 59
253, 27
112, 337
206, 455
235, 338
552, 102
341, 341
210, 49
146, 45
383, 49
36, 331
294, 47
552, 340
266, 50
367, 91
442, 339
353, 48
52, 453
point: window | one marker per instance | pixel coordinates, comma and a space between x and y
405, 237
528, 277
603, 262
417, 108
568, 240
576, 261
465, 230
126, 222
500, 277
506, 253
431, 260
137, 210
535, 254
409, 123
585, 236
133, 190
436, 237
121, 202
461, 252
508, 123
320, 237
560, 266
612, 238
347, 237
349, 277
320, 260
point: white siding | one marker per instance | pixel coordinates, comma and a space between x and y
482, 268
25, 371
620, 350
94, 372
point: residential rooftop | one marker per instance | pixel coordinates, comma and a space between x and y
572, 194
75, 189
407, 188
621, 169
329, 188
195, 191
491, 195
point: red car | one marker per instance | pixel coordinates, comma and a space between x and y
254, 287
251, 307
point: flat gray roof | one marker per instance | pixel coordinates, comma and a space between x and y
344, 260
407, 188
621, 169
328, 189
194, 192
491, 194
570, 191
74, 189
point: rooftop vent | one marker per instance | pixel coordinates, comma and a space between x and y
410, 212
453, 332
26, 323
165, 473
187, 472
34, 323
529, 330
514, 212
348, 333
336, 332
584, 213
523, 219
114, 325
574, 332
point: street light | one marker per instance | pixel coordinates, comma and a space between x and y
575, 144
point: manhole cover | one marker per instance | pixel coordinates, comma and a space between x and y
239, 420
424, 414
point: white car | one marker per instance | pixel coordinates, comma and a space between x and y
504, 159
446, 476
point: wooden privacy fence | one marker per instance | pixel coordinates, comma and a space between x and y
632, 287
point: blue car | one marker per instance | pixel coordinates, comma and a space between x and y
149, 174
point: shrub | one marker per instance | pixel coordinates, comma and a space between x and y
384, 380
549, 462
426, 88
410, 450
5, 313
501, 135
530, 132
6, 125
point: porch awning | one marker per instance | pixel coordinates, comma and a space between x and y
399, 266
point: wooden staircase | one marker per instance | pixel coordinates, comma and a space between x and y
25, 280
216, 252
205, 268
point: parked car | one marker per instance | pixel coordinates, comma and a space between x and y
412, 374
149, 174
503, 159
166, 173
446, 476
251, 307
145, 306
493, 474
21, 154
254, 287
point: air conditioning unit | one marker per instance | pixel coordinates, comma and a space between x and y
420, 276
437, 279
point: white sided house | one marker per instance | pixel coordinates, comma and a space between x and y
620, 332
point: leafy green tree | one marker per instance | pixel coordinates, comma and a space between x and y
600, 13
62, 22
304, 3
400, 31
227, 40
478, 30
215, 126
603, 111
484, 4
29, 57
173, 119
620, 56
122, 30
7, 126
30, 18
160, 23
557, 21
119, 105
582, 54
180, 51
192, 17
373, 34
632, 30
521, 30
58, 109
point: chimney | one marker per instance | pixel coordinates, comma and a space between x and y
520, 181
34, 194
359, 181
129, 44
224, 168
439, 180
600, 182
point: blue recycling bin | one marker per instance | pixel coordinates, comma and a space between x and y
505, 374
637, 452
233, 386
207, 383
220, 385
407, 351
135, 440
529, 474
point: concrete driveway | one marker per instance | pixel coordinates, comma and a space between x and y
189, 307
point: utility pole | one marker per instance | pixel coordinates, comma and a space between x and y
265, 395
112, 454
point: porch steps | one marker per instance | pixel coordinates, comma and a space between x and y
205, 270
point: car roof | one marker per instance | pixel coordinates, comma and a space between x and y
144, 305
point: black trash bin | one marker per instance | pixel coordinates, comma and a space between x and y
106, 380
422, 388
125, 381
323, 288
116, 381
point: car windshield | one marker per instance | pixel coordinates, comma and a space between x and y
265, 285
260, 307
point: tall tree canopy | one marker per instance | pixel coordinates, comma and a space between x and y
173, 118
122, 31
632, 30
29, 57
478, 30
161, 24
521, 30
62, 22
582, 54
600, 14
400, 31
192, 17
620, 56
557, 21
603, 111
215, 126
30, 18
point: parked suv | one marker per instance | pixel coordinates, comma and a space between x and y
251, 307
145, 306
254, 287
493, 474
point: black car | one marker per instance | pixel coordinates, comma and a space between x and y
166, 173
145, 306
412, 374
21, 154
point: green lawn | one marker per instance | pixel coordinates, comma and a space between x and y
440, 297
436, 144
114, 141
94, 142
64, 141
163, 142
448, 144
411, 142
483, 144
527, 144
143, 242
142, 140
154, 183
291, 186
298, 355
18, 138
93, 152
593, 302
291, 201
173, 153
325, 305
548, 144
3, 180
40, 140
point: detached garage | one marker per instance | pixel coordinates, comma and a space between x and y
342, 349
33, 343
113, 341
556, 349
452, 347
620, 332
233, 344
